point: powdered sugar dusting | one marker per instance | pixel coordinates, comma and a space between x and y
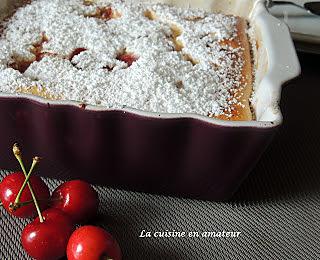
114, 53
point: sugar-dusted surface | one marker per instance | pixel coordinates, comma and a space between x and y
180, 65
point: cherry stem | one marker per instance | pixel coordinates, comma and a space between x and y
34, 162
20, 204
17, 153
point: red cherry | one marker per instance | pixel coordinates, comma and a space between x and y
92, 243
47, 240
127, 58
9, 189
77, 199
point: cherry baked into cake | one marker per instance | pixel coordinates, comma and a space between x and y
116, 54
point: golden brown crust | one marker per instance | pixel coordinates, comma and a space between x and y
36, 91
241, 112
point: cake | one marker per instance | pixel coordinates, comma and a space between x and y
117, 54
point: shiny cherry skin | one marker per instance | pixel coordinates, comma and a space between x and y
9, 189
92, 243
48, 240
77, 199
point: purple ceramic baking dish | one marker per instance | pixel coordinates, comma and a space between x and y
174, 154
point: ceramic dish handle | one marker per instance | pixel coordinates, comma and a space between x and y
283, 62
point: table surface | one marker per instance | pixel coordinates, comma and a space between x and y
277, 209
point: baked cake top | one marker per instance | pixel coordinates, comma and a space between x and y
151, 57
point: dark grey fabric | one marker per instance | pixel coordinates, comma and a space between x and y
277, 209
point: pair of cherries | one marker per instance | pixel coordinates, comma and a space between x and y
52, 234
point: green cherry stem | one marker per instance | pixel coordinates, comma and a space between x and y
17, 153
20, 204
34, 163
